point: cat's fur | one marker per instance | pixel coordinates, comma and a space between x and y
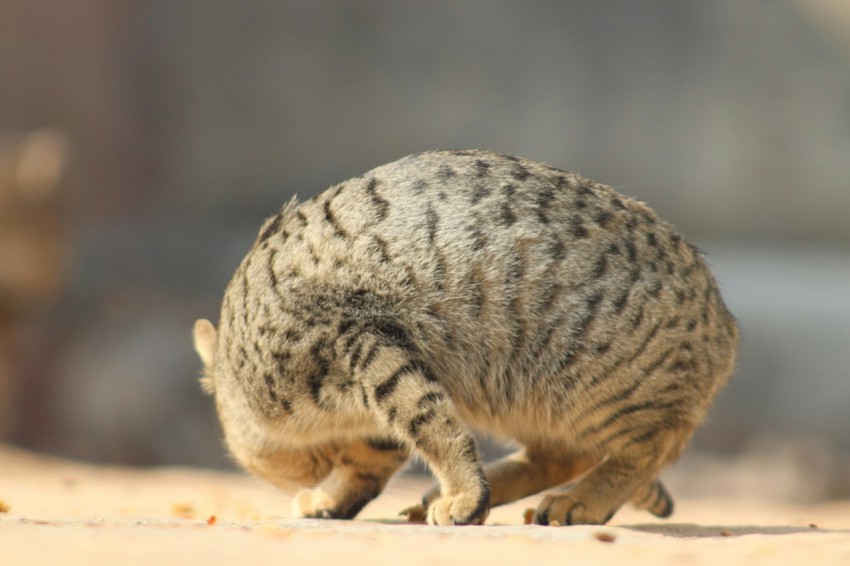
452, 290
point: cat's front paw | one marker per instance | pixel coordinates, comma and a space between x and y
312, 504
325, 502
467, 508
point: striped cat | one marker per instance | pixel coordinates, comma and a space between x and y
458, 290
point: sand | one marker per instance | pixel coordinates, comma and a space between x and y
62, 512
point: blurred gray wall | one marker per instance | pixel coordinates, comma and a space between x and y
192, 121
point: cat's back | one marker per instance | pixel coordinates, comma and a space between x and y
464, 208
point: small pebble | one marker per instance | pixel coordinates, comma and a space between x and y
528, 516
183, 510
604, 537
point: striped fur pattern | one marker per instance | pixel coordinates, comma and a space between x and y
459, 290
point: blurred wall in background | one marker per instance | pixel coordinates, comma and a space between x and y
187, 123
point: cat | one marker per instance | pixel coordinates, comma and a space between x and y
458, 290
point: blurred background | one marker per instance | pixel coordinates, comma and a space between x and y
143, 143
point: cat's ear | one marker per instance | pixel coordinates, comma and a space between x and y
204, 335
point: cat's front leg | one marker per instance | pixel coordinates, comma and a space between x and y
408, 398
360, 471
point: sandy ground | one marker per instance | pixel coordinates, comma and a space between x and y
68, 513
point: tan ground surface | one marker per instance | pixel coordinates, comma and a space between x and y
69, 513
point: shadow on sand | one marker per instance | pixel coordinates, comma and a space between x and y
690, 530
